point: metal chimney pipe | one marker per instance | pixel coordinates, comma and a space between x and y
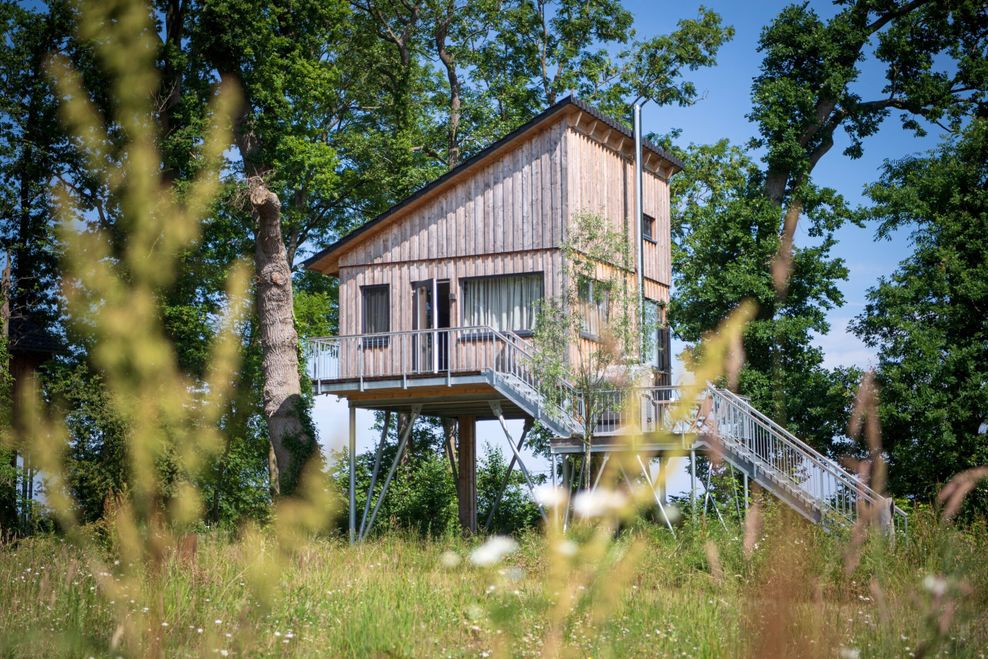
639, 219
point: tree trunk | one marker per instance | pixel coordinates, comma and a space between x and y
453, 128
292, 444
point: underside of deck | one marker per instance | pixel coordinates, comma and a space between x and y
460, 394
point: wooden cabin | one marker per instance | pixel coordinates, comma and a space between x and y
438, 295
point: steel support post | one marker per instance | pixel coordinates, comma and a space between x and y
507, 475
707, 496
375, 472
496, 408
655, 494
692, 476
352, 420
394, 467
600, 474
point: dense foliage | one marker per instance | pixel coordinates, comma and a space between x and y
350, 106
928, 319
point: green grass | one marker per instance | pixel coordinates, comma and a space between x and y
397, 596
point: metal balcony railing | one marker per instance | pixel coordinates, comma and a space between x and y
786, 465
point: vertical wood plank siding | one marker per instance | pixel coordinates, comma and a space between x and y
503, 219
510, 215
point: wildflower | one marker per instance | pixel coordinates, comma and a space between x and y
549, 496
515, 573
598, 502
218, 621
936, 585
449, 559
567, 548
849, 653
492, 551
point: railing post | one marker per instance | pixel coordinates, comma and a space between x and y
360, 362
449, 373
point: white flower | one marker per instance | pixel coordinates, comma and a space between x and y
549, 496
449, 559
492, 551
567, 548
598, 502
849, 653
936, 585
515, 573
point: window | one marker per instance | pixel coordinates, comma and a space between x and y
656, 337
648, 227
376, 314
505, 303
595, 297
650, 333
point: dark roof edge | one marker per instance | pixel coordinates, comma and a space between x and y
480, 155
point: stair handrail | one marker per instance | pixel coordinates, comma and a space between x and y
805, 451
532, 380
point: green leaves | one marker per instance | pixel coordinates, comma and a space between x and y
933, 58
928, 319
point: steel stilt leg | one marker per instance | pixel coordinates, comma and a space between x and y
394, 467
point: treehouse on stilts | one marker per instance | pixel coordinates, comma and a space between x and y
438, 300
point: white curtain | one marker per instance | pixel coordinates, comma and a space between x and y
503, 303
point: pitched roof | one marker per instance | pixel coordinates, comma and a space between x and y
549, 113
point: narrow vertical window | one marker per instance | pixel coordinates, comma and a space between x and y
595, 299
652, 334
376, 314
648, 227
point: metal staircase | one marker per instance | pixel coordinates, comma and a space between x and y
810, 483
720, 422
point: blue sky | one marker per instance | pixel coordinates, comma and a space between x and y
720, 113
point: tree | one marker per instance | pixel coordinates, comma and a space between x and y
725, 235
277, 59
929, 319
735, 219
33, 151
932, 53
587, 340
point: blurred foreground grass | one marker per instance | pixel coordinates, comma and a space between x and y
694, 595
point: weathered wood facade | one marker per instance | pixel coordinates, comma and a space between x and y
437, 296
505, 211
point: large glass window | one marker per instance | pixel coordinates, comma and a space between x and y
595, 297
505, 303
376, 312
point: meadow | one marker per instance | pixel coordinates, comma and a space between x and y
708, 592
